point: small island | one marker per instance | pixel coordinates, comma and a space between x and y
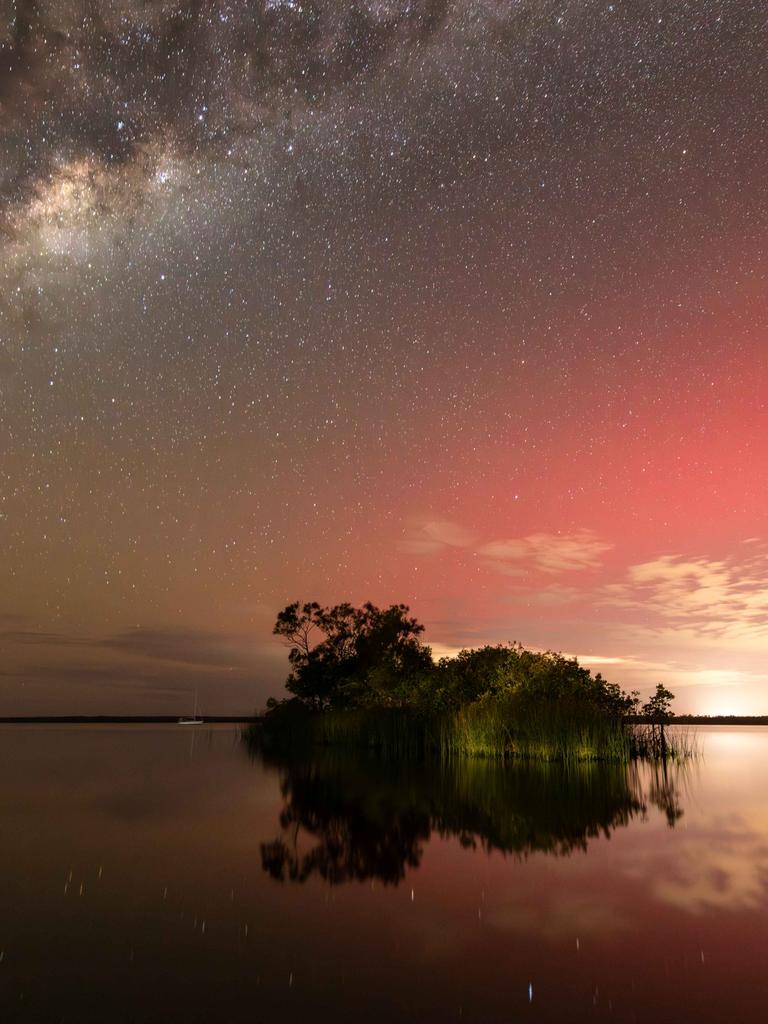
363, 678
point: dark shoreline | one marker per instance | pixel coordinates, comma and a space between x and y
123, 719
253, 719
709, 720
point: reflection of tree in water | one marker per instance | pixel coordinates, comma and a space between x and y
353, 818
664, 791
360, 833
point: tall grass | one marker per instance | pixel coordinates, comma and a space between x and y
389, 731
521, 728
673, 743
516, 727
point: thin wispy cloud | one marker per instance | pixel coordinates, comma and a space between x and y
549, 553
723, 600
691, 620
552, 553
434, 535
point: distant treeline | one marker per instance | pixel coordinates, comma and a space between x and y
122, 719
718, 719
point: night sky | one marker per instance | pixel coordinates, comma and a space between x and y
462, 303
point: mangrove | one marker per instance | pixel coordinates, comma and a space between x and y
364, 678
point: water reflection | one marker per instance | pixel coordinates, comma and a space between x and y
352, 818
126, 862
664, 783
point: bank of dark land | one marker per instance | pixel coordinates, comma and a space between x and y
124, 719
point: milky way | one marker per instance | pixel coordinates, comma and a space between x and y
456, 302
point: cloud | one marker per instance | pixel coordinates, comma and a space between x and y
505, 568
547, 552
40, 638
554, 595
440, 650
599, 659
692, 621
437, 535
189, 647
719, 864
134, 671
717, 600
553, 916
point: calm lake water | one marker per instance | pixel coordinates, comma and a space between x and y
161, 874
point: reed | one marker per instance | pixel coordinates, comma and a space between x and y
668, 743
520, 728
392, 732
510, 728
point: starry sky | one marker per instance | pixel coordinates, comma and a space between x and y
462, 303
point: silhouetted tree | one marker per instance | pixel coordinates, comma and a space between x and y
659, 712
542, 676
345, 656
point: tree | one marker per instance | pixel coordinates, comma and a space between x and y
615, 700
658, 708
337, 653
658, 711
473, 674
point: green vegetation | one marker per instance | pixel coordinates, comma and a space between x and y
650, 738
362, 678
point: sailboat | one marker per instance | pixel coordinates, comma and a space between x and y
194, 720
